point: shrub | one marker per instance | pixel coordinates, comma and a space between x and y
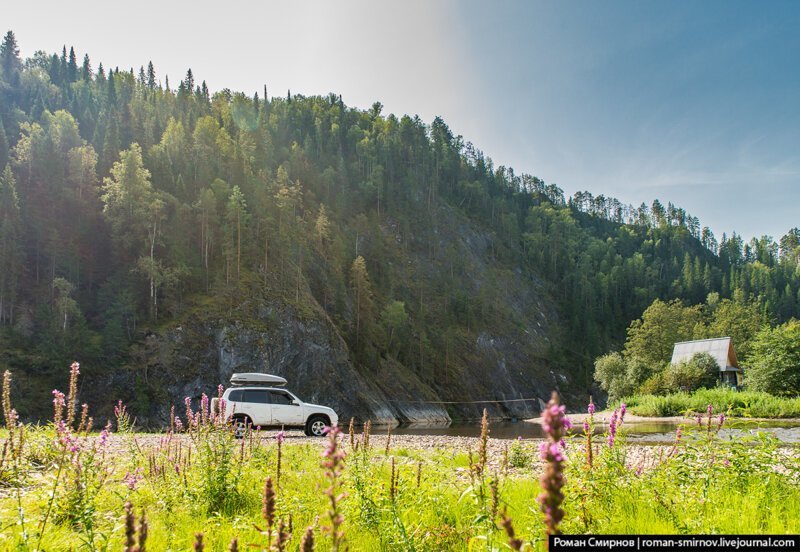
775, 360
701, 371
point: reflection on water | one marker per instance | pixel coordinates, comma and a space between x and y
644, 432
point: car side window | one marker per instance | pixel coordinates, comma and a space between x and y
280, 398
235, 395
259, 396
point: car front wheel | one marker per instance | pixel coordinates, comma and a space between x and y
315, 427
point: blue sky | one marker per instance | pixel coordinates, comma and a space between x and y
697, 103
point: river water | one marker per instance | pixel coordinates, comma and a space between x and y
640, 432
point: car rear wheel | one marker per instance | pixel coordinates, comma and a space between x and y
241, 425
315, 427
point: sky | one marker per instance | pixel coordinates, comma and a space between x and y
697, 103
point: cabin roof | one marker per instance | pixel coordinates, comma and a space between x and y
720, 348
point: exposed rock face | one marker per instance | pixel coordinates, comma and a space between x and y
504, 365
203, 352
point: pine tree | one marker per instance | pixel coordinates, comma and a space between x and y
10, 62
72, 66
151, 76
10, 253
362, 295
3, 145
86, 69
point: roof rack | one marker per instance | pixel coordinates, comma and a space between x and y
254, 378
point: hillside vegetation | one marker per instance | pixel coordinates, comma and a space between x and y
165, 235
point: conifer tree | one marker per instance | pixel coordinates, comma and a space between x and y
151, 76
10, 252
10, 62
86, 69
72, 66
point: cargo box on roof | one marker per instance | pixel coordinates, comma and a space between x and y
253, 378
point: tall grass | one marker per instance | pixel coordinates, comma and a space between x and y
745, 404
204, 489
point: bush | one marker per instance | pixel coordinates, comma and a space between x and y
701, 371
775, 359
655, 385
620, 376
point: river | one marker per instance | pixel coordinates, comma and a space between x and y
640, 432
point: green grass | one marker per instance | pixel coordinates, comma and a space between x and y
706, 486
746, 404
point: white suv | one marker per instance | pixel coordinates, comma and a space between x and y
251, 402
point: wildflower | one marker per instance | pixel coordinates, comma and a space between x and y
204, 409
333, 465
198, 542
513, 542
58, 405
279, 437
132, 479
623, 408
6, 396
554, 422
73, 391
726, 463
483, 449
639, 469
268, 510
307, 544
612, 429
591, 408
721, 421
104, 435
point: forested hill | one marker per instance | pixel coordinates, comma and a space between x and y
165, 236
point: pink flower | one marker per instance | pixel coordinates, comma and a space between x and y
133, 479
280, 436
58, 398
612, 429
590, 410
623, 408
104, 435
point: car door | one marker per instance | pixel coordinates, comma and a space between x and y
285, 411
255, 403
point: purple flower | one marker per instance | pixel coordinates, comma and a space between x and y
554, 423
612, 429
709, 410
590, 410
623, 408
104, 435
132, 479
721, 421
586, 427
280, 436
58, 398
